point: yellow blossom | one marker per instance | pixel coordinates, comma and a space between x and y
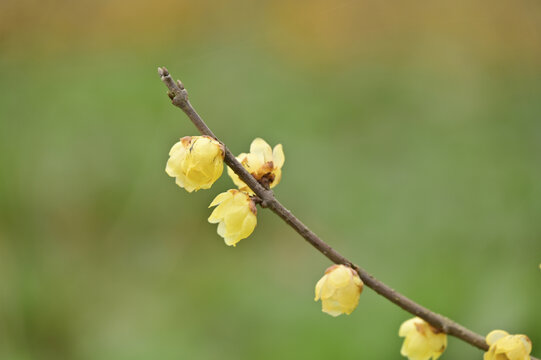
196, 162
339, 290
235, 215
264, 163
422, 341
504, 346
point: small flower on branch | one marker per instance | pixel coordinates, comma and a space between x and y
263, 162
235, 214
422, 340
196, 162
339, 290
504, 346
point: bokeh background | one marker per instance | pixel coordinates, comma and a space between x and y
412, 134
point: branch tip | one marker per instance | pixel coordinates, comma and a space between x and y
163, 71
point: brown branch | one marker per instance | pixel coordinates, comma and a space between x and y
179, 97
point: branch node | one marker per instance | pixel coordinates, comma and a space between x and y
445, 328
263, 203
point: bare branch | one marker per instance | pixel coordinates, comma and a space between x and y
179, 98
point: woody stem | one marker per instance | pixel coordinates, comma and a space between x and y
179, 97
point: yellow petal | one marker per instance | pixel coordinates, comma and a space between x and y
328, 290
174, 164
224, 202
253, 164
234, 219
490, 355
260, 148
495, 335
527, 343
340, 276
238, 182
358, 281
319, 286
231, 241
277, 177
221, 229
220, 198
180, 180
331, 307
278, 156
250, 222
177, 148
414, 348
407, 326
216, 216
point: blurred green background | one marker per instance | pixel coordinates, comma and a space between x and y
412, 134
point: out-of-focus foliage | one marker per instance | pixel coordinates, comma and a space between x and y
413, 138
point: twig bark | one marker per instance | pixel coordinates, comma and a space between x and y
179, 97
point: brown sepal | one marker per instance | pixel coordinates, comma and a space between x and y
251, 205
186, 140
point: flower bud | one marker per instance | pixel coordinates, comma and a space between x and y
196, 162
339, 290
422, 340
235, 215
504, 346
264, 163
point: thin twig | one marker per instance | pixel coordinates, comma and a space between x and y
179, 97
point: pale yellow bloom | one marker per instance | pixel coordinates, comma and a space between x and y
235, 215
422, 341
196, 162
504, 346
264, 163
339, 290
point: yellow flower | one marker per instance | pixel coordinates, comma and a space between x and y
264, 163
339, 290
196, 162
507, 347
423, 341
235, 215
